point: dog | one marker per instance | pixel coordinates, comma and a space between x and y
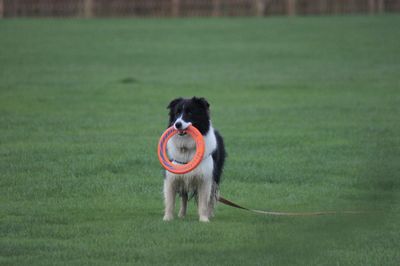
203, 181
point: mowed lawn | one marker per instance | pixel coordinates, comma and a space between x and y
309, 109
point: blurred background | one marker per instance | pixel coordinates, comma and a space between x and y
184, 8
305, 92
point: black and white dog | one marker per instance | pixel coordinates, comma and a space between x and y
203, 181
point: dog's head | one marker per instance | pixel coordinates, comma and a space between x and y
185, 112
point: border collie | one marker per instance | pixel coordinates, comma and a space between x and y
203, 181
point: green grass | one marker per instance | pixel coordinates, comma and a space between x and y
309, 108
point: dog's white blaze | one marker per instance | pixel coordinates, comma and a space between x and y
185, 124
182, 149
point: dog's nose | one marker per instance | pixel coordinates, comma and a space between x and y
178, 125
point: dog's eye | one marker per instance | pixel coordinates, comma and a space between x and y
188, 111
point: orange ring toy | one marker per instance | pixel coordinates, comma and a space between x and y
180, 168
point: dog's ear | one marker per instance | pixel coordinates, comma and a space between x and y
173, 103
203, 102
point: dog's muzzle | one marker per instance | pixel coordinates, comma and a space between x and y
181, 126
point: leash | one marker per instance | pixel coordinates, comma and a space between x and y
182, 168
232, 204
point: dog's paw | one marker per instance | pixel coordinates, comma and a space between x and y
168, 218
181, 215
204, 219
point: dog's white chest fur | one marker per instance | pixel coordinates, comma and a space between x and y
181, 149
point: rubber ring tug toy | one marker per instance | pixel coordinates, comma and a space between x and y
180, 168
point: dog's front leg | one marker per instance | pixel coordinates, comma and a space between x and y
182, 211
204, 193
169, 198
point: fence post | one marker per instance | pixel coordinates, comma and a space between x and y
381, 6
291, 7
260, 8
88, 8
216, 12
323, 7
1, 8
371, 6
175, 8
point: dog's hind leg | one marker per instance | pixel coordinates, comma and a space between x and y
204, 194
182, 211
213, 199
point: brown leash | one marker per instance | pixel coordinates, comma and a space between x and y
232, 204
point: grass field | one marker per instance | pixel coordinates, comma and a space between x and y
309, 108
